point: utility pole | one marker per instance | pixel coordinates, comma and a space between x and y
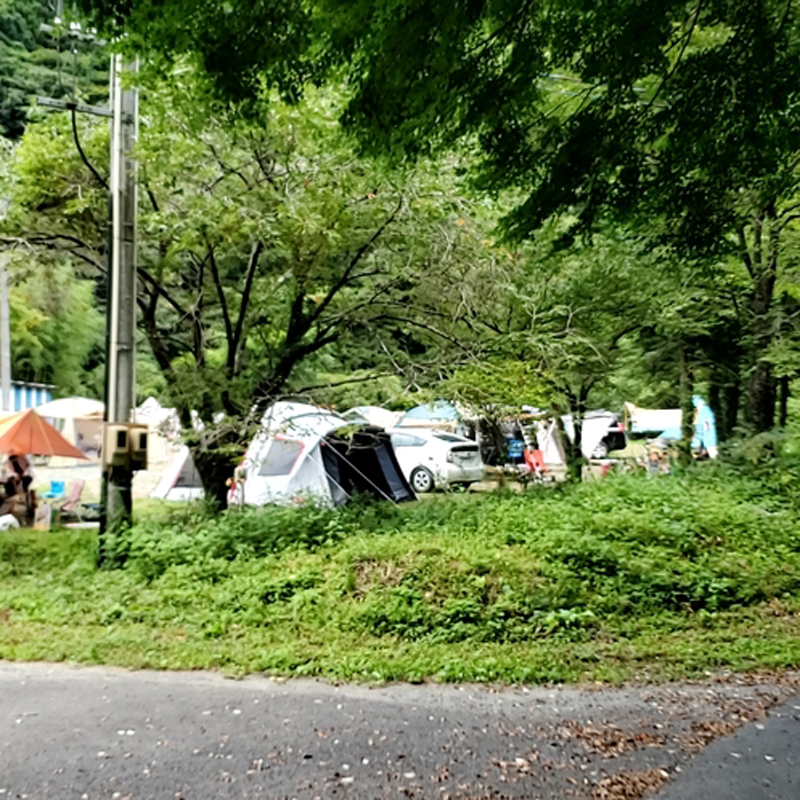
5, 338
120, 399
5, 327
120, 365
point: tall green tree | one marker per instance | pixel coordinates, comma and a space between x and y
57, 331
682, 113
34, 62
262, 245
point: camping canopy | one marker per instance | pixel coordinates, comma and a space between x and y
296, 456
430, 415
27, 433
705, 427
71, 407
79, 420
651, 420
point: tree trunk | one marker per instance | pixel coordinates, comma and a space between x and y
573, 449
783, 401
573, 464
215, 462
761, 384
761, 397
687, 407
731, 399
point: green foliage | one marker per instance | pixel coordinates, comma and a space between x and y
597, 580
34, 63
772, 458
679, 121
57, 331
293, 243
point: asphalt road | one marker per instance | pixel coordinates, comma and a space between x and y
106, 733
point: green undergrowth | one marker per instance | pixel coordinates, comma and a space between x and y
621, 578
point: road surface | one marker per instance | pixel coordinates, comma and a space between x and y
88, 733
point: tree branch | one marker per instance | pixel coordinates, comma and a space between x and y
746, 257
158, 287
85, 160
233, 348
679, 59
345, 382
48, 242
345, 276
226, 319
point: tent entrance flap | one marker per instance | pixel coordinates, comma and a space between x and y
364, 463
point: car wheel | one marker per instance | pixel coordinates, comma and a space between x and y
600, 450
422, 480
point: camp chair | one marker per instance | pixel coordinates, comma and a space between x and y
71, 507
534, 461
56, 491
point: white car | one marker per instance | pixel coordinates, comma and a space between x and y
602, 432
432, 459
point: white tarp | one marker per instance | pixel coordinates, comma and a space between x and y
651, 420
373, 415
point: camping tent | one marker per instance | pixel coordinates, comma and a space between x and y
650, 420
372, 415
438, 414
705, 428
180, 480
297, 455
666, 422
79, 420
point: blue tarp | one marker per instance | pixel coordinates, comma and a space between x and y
705, 426
438, 411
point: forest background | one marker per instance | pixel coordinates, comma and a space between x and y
498, 203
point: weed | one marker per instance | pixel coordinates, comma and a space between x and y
600, 581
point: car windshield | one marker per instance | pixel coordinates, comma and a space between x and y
450, 437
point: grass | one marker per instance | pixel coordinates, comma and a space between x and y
617, 579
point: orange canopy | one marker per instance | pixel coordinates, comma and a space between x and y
27, 433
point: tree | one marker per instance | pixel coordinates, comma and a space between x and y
57, 332
683, 114
33, 62
545, 324
261, 246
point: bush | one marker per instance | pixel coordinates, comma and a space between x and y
576, 567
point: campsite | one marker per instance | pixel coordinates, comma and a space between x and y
383, 342
299, 454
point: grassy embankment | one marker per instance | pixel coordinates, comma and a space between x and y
624, 578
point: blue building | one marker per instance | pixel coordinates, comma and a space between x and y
29, 395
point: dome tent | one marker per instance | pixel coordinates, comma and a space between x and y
298, 456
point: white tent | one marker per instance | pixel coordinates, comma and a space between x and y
284, 461
373, 415
80, 422
651, 420
297, 456
180, 481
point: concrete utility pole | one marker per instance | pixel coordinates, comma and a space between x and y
120, 384
5, 327
116, 507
